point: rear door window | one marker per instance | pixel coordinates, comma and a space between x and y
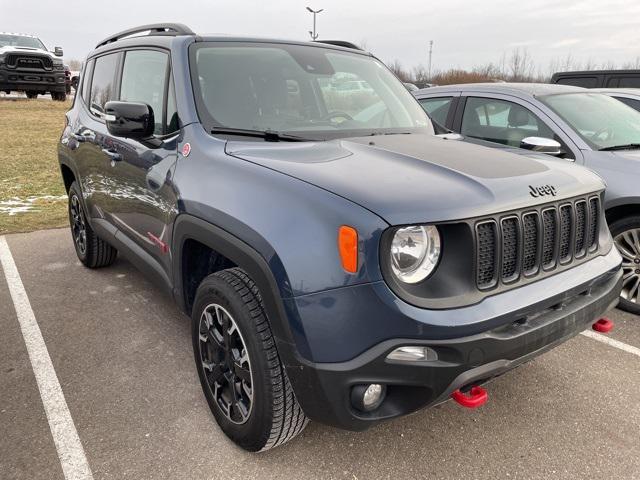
103, 83
629, 82
437, 108
501, 121
585, 82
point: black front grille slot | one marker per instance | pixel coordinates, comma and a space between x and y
530, 241
549, 232
486, 250
510, 249
581, 228
594, 219
565, 233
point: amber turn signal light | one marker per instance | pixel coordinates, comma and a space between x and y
348, 247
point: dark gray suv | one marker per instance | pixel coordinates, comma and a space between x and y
339, 261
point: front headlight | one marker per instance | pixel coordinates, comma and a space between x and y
415, 251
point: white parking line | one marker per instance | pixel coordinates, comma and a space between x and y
70, 452
611, 342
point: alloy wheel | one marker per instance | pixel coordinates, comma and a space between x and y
226, 364
628, 244
78, 225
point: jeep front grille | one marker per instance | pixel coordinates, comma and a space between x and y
528, 242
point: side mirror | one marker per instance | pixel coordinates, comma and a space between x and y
542, 145
57, 51
129, 119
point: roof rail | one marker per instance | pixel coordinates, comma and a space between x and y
152, 28
340, 43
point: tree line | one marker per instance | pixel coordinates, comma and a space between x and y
517, 66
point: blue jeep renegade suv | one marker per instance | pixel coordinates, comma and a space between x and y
338, 260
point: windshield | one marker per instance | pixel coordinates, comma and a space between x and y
8, 40
602, 121
308, 91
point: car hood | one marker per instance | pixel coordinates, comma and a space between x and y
627, 154
420, 178
39, 51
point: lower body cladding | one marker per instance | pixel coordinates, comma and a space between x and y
32, 81
373, 386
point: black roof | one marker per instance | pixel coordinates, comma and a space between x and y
598, 72
162, 33
153, 29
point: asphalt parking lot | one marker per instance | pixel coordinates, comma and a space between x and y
122, 355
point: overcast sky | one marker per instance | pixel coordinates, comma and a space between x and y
465, 33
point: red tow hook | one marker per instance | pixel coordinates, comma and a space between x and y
477, 397
603, 325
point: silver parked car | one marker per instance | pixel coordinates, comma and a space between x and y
571, 123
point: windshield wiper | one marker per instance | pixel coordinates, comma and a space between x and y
628, 146
268, 135
374, 134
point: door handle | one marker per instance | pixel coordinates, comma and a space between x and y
112, 154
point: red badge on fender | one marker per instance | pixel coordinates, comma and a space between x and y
186, 149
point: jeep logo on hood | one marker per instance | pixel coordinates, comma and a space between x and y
542, 190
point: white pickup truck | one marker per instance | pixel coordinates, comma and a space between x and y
26, 65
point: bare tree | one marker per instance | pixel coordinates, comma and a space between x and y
397, 68
633, 65
420, 75
515, 66
75, 64
520, 65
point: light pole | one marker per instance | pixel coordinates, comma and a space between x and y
314, 35
430, 53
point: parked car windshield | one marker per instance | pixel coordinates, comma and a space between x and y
603, 122
308, 91
8, 40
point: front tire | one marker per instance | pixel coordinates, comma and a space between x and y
92, 251
240, 371
626, 236
32, 95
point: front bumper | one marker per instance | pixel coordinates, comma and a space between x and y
14, 79
323, 389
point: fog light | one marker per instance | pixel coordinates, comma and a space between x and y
368, 397
413, 354
372, 395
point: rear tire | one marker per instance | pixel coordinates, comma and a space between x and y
626, 235
92, 251
59, 96
32, 95
240, 371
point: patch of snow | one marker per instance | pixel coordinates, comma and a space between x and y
15, 205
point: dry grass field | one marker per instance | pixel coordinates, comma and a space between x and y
32, 195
